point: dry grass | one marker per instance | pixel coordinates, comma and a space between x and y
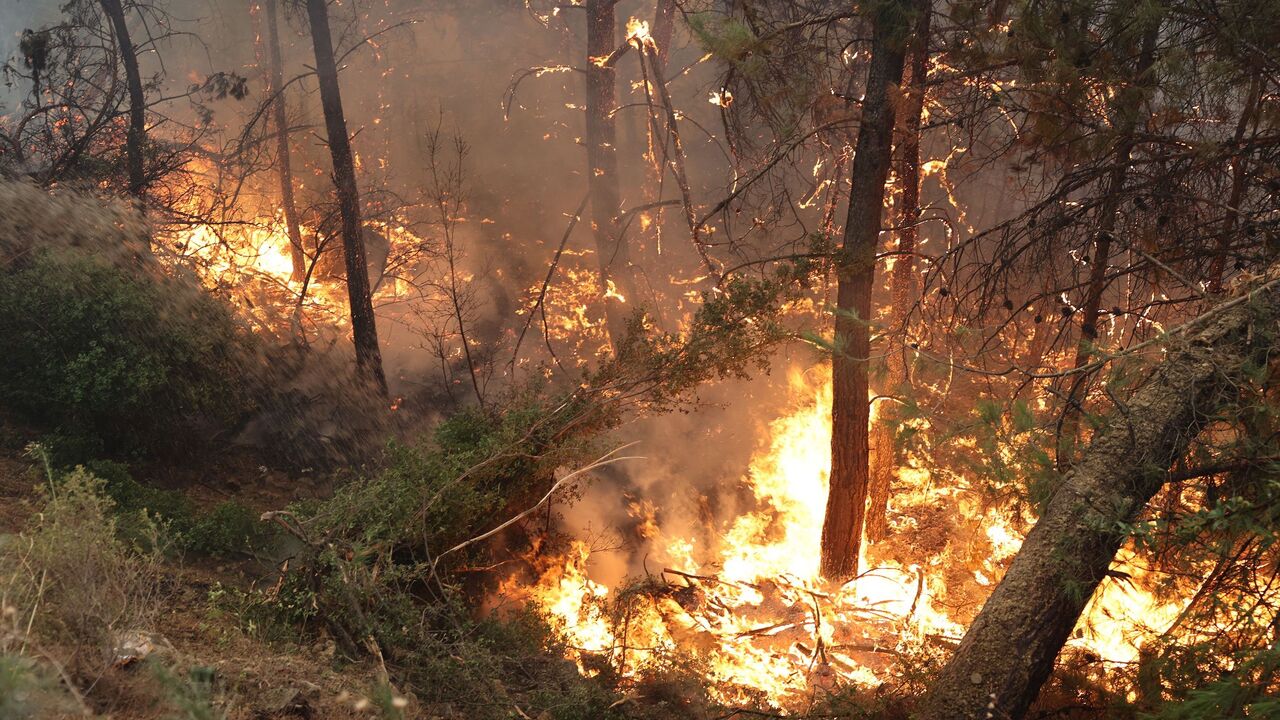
70, 588
34, 218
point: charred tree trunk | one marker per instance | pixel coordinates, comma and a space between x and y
664, 25
602, 169
856, 261
364, 327
283, 161
136, 134
1009, 651
1069, 429
902, 283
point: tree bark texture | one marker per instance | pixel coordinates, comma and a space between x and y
902, 283
602, 168
1009, 651
363, 323
850, 410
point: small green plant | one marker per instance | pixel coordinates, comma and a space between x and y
191, 696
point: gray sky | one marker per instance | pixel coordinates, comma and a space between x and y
15, 16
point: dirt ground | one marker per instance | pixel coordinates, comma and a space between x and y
251, 678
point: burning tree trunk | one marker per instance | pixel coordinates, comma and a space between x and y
281, 120
850, 411
903, 280
1009, 651
363, 323
1070, 427
602, 168
135, 136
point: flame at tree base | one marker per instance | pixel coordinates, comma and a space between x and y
752, 614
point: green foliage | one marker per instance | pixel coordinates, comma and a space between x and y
1247, 692
729, 39
227, 529
482, 668
781, 92
1005, 453
115, 359
435, 491
731, 333
75, 580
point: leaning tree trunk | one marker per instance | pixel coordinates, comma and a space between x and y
856, 264
902, 282
136, 134
602, 170
364, 327
283, 161
1009, 651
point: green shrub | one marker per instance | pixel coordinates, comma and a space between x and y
227, 529
190, 696
116, 359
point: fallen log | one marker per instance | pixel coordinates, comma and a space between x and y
1009, 651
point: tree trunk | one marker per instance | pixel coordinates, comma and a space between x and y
1009, 651
602, 170
902, 283
850, 410
283, 162
1070, 427
136, 134
363, 323
1239, 182
664, 25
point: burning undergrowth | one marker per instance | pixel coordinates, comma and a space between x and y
739, 597
736, 597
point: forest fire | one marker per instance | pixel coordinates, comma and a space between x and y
752, 612
944, 333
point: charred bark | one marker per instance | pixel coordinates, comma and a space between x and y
850, 410
364, 327
1009, 651
902, 282
602, 169
136, 134
280, 118
664, 25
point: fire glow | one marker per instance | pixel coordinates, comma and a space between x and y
753, 614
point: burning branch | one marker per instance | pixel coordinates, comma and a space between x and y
639, 35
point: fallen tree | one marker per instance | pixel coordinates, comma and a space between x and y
1009, 651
